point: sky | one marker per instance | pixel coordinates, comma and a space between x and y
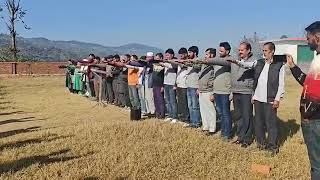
166, 23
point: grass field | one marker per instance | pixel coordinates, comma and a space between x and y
48, 133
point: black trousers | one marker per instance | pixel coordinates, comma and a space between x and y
182, 101
115, 87
244, 109
266, 120
109, 90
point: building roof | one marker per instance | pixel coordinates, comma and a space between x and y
291, 41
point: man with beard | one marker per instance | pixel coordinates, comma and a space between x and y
192, 83
310, 99
242, 90
207, 109
170, 76
181, 83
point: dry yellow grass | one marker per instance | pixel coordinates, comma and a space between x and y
47, 133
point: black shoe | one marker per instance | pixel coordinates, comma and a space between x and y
273, 150
261, 147
211, 133
192, 126
245, 144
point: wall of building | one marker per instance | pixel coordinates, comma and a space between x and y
291, 49
31, 68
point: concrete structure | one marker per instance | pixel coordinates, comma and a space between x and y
297, 47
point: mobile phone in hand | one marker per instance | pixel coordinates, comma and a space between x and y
280, 58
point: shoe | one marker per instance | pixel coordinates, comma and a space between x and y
245, 145
273, 150
173, 121
167, 119
193, 126
211, 133
261, 147
238, 141
226, 139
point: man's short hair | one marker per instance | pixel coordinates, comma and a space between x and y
225, 45
271, 45
160, 55
314, 27
194, 49
116, 56
170, 51
212, 51
92, 55
183, 51
135, 57
248, 45
109, 57
128, 56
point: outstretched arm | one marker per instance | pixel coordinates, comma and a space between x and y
219, 61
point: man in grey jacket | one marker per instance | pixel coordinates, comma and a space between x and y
192, 89
207, 109
222, 90
242, 89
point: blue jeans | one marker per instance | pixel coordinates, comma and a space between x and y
171, 101
194, 107
311, 135
223, 109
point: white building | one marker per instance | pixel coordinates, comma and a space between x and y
297, 47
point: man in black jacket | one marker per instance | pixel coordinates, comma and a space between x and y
310, 99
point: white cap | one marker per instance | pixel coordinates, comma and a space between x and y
149, 54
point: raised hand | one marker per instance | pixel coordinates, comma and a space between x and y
290, 61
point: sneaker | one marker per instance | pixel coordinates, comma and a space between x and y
193, 126
168, 119
226, 139
174, 121
238, 141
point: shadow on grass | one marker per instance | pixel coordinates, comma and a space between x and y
20, 120
10, 113
17, 165
18, 131
18, 144
287, 129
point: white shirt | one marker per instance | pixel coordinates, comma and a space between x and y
261, 92
182, 77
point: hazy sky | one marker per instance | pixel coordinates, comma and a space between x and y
166, 23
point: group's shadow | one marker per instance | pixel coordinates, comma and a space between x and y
10, 113
18, 144
18, 131
287, 129
17, 165
20, 120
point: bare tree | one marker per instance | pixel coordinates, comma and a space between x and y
15, 14
255, 44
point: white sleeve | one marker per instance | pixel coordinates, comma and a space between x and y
280, 92
248, 65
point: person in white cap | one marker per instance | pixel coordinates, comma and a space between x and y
148, 88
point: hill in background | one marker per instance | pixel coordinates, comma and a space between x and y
42, 49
